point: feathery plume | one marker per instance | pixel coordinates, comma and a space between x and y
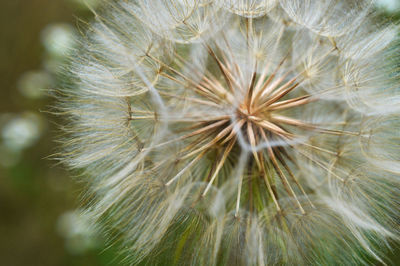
240, 132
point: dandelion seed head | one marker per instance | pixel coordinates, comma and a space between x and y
257, 132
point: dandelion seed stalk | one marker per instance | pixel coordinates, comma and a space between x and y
252, 132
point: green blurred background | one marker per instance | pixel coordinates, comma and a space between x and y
38, 225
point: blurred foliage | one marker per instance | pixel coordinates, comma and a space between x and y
37, 196
38, 224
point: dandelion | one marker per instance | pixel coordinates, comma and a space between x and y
251, 132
